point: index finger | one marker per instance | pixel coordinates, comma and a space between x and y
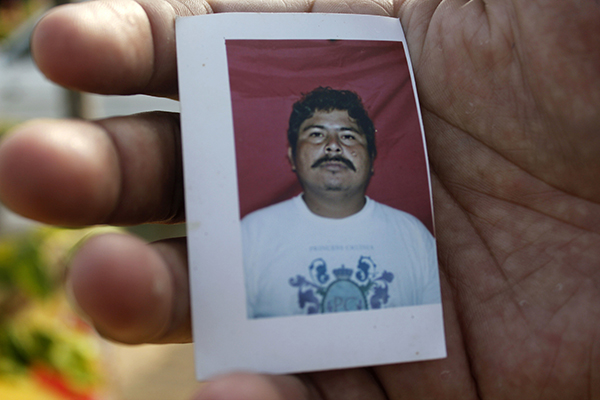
109, 47
128, 47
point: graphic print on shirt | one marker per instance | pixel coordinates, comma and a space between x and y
349, 291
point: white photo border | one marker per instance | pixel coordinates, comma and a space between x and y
225, 339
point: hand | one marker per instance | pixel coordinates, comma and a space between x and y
510, 93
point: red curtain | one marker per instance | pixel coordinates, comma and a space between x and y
268, 76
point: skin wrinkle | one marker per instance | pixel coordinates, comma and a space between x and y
539, 329
484, 28
469, 351
555, 313
373, 372
594, 277
567, 244
425, 98
475, 193
429, 17
518, 249
443, 189
523, 341
530, 241
155, 50
495, 263
516, 253
168, 326
519, 283
470, 190
181, 316
383, 7
311, 387
177, 214
194, 6
485, 10
463, 321
496, 197
464, 328
554, 310
272, 5
117, 151
469, 356
550, 373
138, 25
175, 208
456, 279
506, 289
348, 386
117, 16
452, 279
316, 387
155, 18
554, 116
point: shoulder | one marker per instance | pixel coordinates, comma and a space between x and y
399, 219
273, 213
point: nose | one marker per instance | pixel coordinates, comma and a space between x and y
332, 145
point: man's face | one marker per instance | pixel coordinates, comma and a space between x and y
331, 154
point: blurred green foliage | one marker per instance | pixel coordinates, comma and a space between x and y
37, 328
22, 267
14, 12
23, 347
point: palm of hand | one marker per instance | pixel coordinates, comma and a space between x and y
509, 93
510, 124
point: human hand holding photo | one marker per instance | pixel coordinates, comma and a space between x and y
509, 93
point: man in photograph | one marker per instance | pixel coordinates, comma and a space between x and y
332, 248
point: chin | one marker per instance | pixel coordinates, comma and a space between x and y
335, 187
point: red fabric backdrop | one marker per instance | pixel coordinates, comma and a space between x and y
268, 76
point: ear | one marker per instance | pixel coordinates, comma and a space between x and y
291, 159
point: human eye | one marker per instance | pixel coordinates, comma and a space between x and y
315, 134
348, 138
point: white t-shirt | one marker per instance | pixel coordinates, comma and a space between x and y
296, 262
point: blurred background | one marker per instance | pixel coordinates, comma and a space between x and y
47, 351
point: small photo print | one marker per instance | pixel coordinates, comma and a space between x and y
308, 197
319, 126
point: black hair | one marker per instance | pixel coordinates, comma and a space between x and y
328, 99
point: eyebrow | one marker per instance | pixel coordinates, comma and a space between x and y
344, 128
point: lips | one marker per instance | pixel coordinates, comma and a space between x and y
334, 162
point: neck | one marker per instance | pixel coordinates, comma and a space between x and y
334, 204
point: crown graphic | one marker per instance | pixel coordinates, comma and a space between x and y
342, 273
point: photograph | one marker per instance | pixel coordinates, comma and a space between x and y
308, 196
317, 127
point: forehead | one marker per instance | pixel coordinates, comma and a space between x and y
336, 119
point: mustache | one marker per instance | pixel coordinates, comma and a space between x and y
341, 159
